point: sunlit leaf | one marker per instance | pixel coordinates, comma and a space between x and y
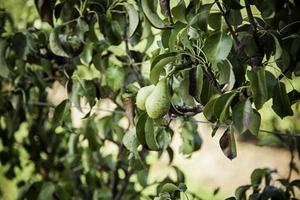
217, 47
133, 19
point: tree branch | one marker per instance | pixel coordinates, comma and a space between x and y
186, 110
234, 36
212, 79
124, 184
250, 16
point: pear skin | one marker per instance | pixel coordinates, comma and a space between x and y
142, 95
158, 102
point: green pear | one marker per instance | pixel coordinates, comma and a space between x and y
142, 95
158, 102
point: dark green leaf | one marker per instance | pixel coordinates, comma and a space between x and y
140, 128
233, 4
227, 144
4, 72
281, 102
240, 192
61, 112
278, 49
257, 176
226, 74
222, 106
235, 17
150, 135
209, 110
245, 118
178, 11
196, 82
258, 85
215, 20
45, 9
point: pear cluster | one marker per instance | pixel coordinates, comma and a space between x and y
155, 100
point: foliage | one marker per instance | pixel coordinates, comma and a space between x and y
215, 58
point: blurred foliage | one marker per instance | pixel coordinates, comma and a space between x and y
212, 57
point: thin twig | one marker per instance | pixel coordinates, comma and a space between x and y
250, 16
234, 36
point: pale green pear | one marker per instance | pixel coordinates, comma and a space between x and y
158, 102
142, 95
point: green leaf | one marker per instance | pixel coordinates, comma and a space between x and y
185, 40
233, 4
20, 44
235, 17
150, 135
169, 188
113, 32
258, 86
227, 143
115, 77
209, 110
278, 49
217, 47
178, 11
45, 9
130, 140
245, 118
91, 134
152, 15
201, 18
226, 74
140, 128
47, 191
183, 91
191, 140
158, 64
222, 106
133, 19
164, 137
87, 54
240, 192
55, 44
173, 36
281, 102
61, 112
215, 20
87, 89
196, 82
271, 84
4, 72
256, 177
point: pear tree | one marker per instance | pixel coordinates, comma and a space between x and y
155, 63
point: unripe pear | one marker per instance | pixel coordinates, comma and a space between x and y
142, 95
158, 102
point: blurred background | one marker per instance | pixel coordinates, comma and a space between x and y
207, 170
